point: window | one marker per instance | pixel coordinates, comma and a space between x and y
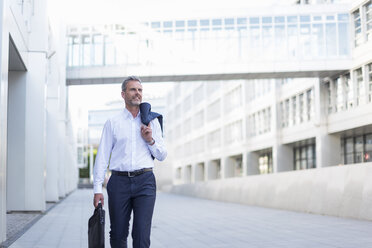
155, 24
368, 148
265, 163
301, 108
97, 50
329, 96
369, 78
260, 120
180, 24
349, 92
286, 113
339, 95
294, 110
309, 104
331, 40
357, 28
357, 149
304, 157
368, 10
360, 86
343, 36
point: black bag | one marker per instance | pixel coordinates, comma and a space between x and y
96, 228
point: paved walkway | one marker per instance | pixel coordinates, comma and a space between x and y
181, 222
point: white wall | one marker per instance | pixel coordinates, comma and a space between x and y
4, 60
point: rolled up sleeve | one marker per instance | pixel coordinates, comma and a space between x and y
158, 149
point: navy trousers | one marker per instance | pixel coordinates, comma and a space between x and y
127, 194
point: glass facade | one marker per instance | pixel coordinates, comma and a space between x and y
230, 39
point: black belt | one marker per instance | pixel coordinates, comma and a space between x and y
131, 173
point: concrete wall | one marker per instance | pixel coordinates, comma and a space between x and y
344, 191
4, 60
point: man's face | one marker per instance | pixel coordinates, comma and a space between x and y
133, 94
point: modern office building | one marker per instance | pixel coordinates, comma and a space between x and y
283, 91
221, 129
37, 148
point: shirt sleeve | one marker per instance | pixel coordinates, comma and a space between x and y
103, 157
158, 149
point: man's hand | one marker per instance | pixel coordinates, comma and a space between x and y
98, 197
146, 133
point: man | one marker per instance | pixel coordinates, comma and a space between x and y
126, 146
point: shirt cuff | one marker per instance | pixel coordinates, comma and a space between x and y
97, 189
153, 146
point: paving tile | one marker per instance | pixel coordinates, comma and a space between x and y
181, 221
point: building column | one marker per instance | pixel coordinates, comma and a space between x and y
282, 154
227, 167
27, 151
62, 150
282, 158
328, 146
252, 165
91, 164
213, 170
4, 61
52, 139
200, 172
245, 164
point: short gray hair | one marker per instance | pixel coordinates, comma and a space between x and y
127, 80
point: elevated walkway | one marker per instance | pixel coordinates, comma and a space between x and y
200, 72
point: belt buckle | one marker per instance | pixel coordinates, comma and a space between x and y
131, 175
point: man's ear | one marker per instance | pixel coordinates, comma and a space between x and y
123, 94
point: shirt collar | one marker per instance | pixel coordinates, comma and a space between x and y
128, 114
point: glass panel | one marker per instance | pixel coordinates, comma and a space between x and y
155, 24
292, 19
303, 164
305, 39
254, 20
343, 42
168, 24
349, 145
216, 22
305, 18
349, 158
331, 46
204, 22
343, 17
267, 20
180, 23
292, 40
229, 21
98, 50
310, 152
191, 23
242, 20
317, 39
279, 19
369, 142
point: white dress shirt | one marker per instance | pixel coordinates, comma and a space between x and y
121, 138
